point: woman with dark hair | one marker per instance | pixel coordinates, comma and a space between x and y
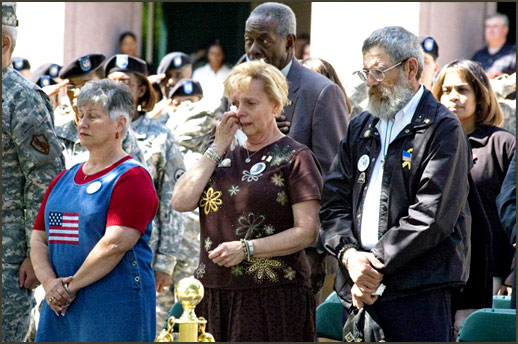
463, 87
212, 75
323, 67
128, 43
163, 159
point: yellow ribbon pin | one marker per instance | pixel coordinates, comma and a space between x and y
407, 158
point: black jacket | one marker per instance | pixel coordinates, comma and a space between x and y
425, 222
493, 150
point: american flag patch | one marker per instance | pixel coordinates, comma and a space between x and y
63, 228
407, 156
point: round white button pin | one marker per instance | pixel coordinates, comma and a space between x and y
94, 187
258, 168
363, 162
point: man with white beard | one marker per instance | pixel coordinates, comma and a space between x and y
394, 209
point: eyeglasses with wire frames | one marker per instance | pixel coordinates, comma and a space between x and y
376, 73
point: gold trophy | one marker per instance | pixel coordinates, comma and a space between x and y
189, 292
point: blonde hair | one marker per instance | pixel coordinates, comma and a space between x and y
275, 84
487, 111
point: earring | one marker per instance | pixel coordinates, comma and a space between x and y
117, 135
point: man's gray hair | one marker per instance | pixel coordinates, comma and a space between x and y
399, 44
115, 98
282, 14
12, 32
501, 16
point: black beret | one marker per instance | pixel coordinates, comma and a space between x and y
186, 87
82, 65
430, 46
125, 63
173, 61
46, 74
19, 63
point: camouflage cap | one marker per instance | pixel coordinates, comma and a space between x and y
9, 14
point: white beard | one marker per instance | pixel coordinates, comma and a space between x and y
385, 102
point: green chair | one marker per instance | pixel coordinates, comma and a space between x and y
330, 318
489, 325
176, 311
501, 301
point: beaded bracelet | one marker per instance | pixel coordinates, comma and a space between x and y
246, 249
212, 155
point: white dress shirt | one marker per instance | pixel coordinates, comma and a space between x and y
388, 131
211, 82
286, 69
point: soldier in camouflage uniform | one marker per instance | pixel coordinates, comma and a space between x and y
165, 164
192, 123
31, 159
79, 72
505, 91
192, 119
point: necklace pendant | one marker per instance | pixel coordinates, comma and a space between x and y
247, 160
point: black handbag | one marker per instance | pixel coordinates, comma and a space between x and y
362, 325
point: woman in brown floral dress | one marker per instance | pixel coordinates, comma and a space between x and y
258, 211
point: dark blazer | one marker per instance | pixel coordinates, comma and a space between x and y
478, 292
424, 230
317, 112
493, 150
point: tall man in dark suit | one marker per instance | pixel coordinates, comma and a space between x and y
394, 208
316, 114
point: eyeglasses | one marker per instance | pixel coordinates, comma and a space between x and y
376, 73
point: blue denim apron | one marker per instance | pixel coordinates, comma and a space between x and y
120, 306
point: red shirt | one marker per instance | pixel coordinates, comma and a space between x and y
130, 206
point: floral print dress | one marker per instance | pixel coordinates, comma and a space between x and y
250, 200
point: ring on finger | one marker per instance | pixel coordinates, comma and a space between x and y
51, 299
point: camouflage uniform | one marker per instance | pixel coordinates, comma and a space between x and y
502, 86
31, 159
66, 130
165, 164
192, 125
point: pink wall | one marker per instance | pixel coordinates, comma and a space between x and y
96, 26
458, 27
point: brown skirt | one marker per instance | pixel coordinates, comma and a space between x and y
275, 314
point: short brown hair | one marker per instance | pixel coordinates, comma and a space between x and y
487, 111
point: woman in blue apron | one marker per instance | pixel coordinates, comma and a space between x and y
90, 240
